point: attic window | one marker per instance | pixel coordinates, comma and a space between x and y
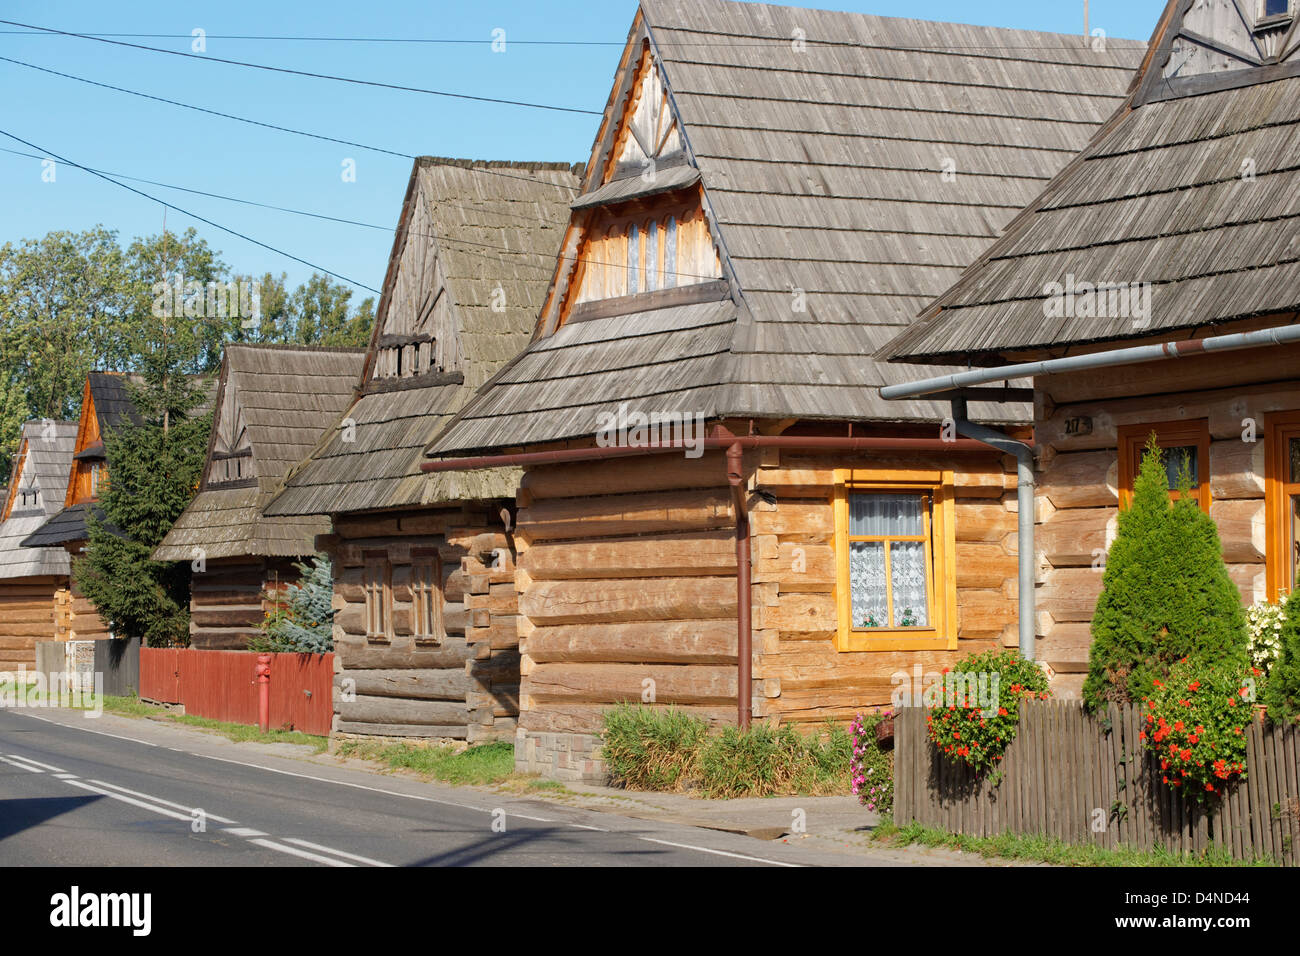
405, 356
645, 251
1272, 10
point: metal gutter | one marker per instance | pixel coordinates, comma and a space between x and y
1135, 355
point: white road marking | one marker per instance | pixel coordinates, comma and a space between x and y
131, 800
272, 845
705, 849
396, 793
327, 849
582, 826
166, 803
243, 832
21, 766
38, 763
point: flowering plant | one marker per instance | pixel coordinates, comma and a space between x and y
1195, 726
1264, 625
976, 730
871, 767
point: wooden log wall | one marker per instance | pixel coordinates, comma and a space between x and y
230, 600
1077, 495
75, 617
800, 674
627, 590
467, 686
627, 584
26, 616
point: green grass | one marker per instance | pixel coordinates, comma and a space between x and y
239, 733
666, 750
480, 765
1043, 849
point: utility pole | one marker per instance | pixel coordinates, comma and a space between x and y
1086, 31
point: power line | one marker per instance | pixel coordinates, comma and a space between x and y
253, 122
748, 42
307, 73
469, 245
186, 212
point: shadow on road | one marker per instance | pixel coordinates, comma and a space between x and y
22, 814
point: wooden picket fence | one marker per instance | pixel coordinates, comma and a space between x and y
1068, 775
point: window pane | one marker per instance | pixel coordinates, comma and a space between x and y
670, 253
1293, 447
633, 259
1174, 458
907, 568
881, 515
1275, 7
867, 584
652, 257
1294, 563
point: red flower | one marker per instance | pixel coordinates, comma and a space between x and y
1193, 685
1178, 725
1002, 712
1185, 755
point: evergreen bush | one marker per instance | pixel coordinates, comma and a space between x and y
1166, 593
1282, 688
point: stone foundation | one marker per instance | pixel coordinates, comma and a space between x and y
573, 758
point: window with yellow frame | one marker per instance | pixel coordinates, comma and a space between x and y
1282, 502
895, 560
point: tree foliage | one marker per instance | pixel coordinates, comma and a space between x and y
1282, 689
1166, 593
72, 302
304, 619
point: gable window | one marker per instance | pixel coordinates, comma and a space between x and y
1274, 8
894, 548
636, 252
1282, 502
1181, 443
378, 587
94, 479
426, 595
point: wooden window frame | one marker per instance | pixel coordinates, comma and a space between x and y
1132, 440
1279, 429
426, 581
941, 570
378, 562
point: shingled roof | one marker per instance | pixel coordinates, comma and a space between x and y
1193, 187
823, 163
41, 472
474, 250
109, 395
273, 402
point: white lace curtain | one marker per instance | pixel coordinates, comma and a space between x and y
887, 516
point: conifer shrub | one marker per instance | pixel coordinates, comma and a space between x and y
1166, 593
303, 620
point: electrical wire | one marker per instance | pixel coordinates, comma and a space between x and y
186, 212
307, 73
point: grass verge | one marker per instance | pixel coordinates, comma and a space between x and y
481, 765
1043, 849
666, 750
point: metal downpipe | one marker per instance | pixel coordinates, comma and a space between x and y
1024, 516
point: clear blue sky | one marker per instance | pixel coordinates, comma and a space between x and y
136, 137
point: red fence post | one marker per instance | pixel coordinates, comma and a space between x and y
263, 672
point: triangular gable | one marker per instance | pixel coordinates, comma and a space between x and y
85, 474
416, 331
642, 223
1204, 45
24, 486
230, 452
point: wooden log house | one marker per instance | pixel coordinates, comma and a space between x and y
425, 642
272, 405
1177, 224
772, 194
30, 577
105, 404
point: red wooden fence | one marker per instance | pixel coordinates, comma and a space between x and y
220, 685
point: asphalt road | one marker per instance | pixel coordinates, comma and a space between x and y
86, 792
